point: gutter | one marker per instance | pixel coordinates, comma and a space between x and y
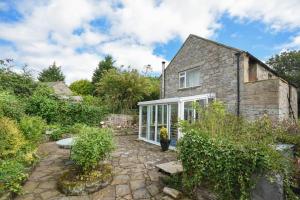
238, 100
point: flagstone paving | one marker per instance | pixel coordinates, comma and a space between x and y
135, 175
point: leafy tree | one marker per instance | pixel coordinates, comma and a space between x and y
287, 64
21, 84
121, 90
104, 65
82, 87
51, 74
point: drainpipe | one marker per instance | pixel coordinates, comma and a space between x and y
163, 79
238, 82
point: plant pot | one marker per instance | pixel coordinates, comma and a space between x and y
165, 144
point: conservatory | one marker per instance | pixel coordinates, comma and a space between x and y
156, 114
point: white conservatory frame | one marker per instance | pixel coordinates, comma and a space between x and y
180, 101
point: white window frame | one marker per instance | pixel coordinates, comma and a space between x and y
183, 75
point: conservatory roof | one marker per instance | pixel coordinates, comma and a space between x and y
176, 99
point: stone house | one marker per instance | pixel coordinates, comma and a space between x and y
204, 70
62, 91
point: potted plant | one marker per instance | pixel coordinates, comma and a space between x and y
164, 139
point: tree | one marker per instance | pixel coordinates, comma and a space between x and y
52, 74
21, 84
104, 65
287, 65
121, 90
82, 87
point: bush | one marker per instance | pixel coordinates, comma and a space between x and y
71, 113
82, 87
11, 106
11, 176
19, 84
33, 128
225, 152
11, 139
92, 146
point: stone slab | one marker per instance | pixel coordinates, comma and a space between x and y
173, 167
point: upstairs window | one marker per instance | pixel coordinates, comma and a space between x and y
189, 78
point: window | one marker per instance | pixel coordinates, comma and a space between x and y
190, 78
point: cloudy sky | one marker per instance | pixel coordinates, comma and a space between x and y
77, 34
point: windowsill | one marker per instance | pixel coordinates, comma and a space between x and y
187, 88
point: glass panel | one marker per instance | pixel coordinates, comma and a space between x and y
152, 123
201, 103
188, 111
174, 124
210, 100
161, 119
193, 78
144, 122
181, 82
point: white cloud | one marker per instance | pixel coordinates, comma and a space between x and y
45, 34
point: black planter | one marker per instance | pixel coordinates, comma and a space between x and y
165, 144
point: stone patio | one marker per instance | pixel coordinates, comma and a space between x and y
135, 175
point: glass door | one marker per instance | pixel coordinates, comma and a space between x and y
173, 123
162, 119
144, 122
151, 132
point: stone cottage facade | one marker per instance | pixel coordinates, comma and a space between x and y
257, 91
204, 70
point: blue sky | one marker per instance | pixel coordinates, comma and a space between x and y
138, 32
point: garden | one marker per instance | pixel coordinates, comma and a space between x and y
29, 109
227, 154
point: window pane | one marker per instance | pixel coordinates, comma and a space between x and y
173, 124
152, 123
188, 111
181, 82
144, 122
193, 78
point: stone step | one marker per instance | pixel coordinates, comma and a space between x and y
172, 192
172, 168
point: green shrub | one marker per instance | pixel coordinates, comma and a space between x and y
77, 128
20, 84
71, 113
224, 151
43, 106
11, 176
10, 106
11, 139
91, 147
32, 128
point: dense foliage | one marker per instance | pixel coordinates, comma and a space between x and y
11, 175
287, 64
21, 84
82, 87
224, 152
11, 106
32, 128
103, 66
92, 146
121, 90
43, 103
11, 138
51, 74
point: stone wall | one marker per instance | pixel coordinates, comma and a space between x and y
259, 98
217, 65
218, 71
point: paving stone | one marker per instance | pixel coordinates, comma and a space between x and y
153, 189
133, 168
172, 192
122, 190
141, 194
120, 179
137, 184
